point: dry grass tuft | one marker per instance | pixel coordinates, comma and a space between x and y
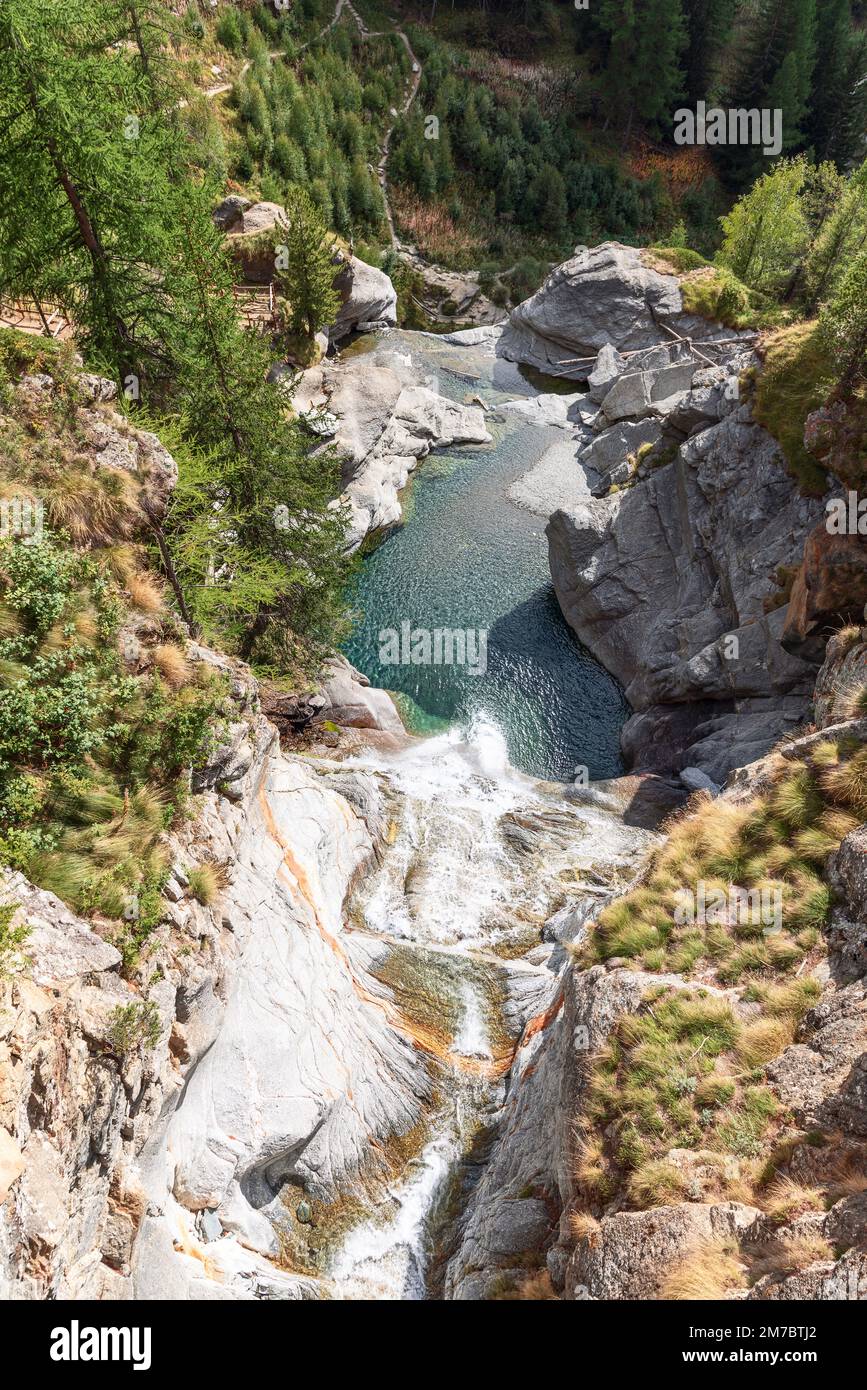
584, 1227
537, 1288
800, 1249
206, 882
145, 594
786, 1198
710, 1271
95, 508
760, 1042
655, 1184
171, 664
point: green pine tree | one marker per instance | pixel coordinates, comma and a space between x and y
775, 72
842, 238
83, 198
844, 325
305, 269
643, 78
709, 23
257, 546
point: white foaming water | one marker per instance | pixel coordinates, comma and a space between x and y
447, 878
389, 1260
448, 874
472, 1037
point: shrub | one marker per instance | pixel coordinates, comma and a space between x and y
12, 938
93, 761
132, 1026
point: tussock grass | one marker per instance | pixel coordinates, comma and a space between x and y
172, 665
584, 1226
146, 594
205, 884
786, 1199
762, 1041
856, 703
655, 1184
95, 508
800, 1249
710, 1271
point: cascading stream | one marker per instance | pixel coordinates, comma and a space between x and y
477, 852
475, 865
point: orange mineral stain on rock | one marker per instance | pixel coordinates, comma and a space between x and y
424, 1041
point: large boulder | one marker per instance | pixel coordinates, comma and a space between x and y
345, 697
633, 1251
252, 238
607, 296
369, 299
229, 211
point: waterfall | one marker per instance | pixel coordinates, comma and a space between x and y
472, 862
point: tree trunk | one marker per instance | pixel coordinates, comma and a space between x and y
91, 242
171, 573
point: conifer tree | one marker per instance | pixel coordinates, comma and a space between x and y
258, 546
844, 324
708, 25
842, 238
775, 72
306, 269
83, 203
643, 77
838, 109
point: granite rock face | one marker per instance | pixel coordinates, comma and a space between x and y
672, 585
265, 1056
388, 419
607, 297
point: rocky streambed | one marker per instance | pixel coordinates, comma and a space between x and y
366, 1057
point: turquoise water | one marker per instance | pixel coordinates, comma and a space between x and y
469, 558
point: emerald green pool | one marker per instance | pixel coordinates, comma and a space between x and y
469, 558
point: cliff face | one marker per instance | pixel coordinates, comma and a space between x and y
265, 1055
672, 573
777, 1211
671, 584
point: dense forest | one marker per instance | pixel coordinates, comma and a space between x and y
536, 125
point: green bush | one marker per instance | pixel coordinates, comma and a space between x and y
11, 938
132, 1026
94, 762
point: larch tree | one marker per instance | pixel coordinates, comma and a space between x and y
306, 268
844, 325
